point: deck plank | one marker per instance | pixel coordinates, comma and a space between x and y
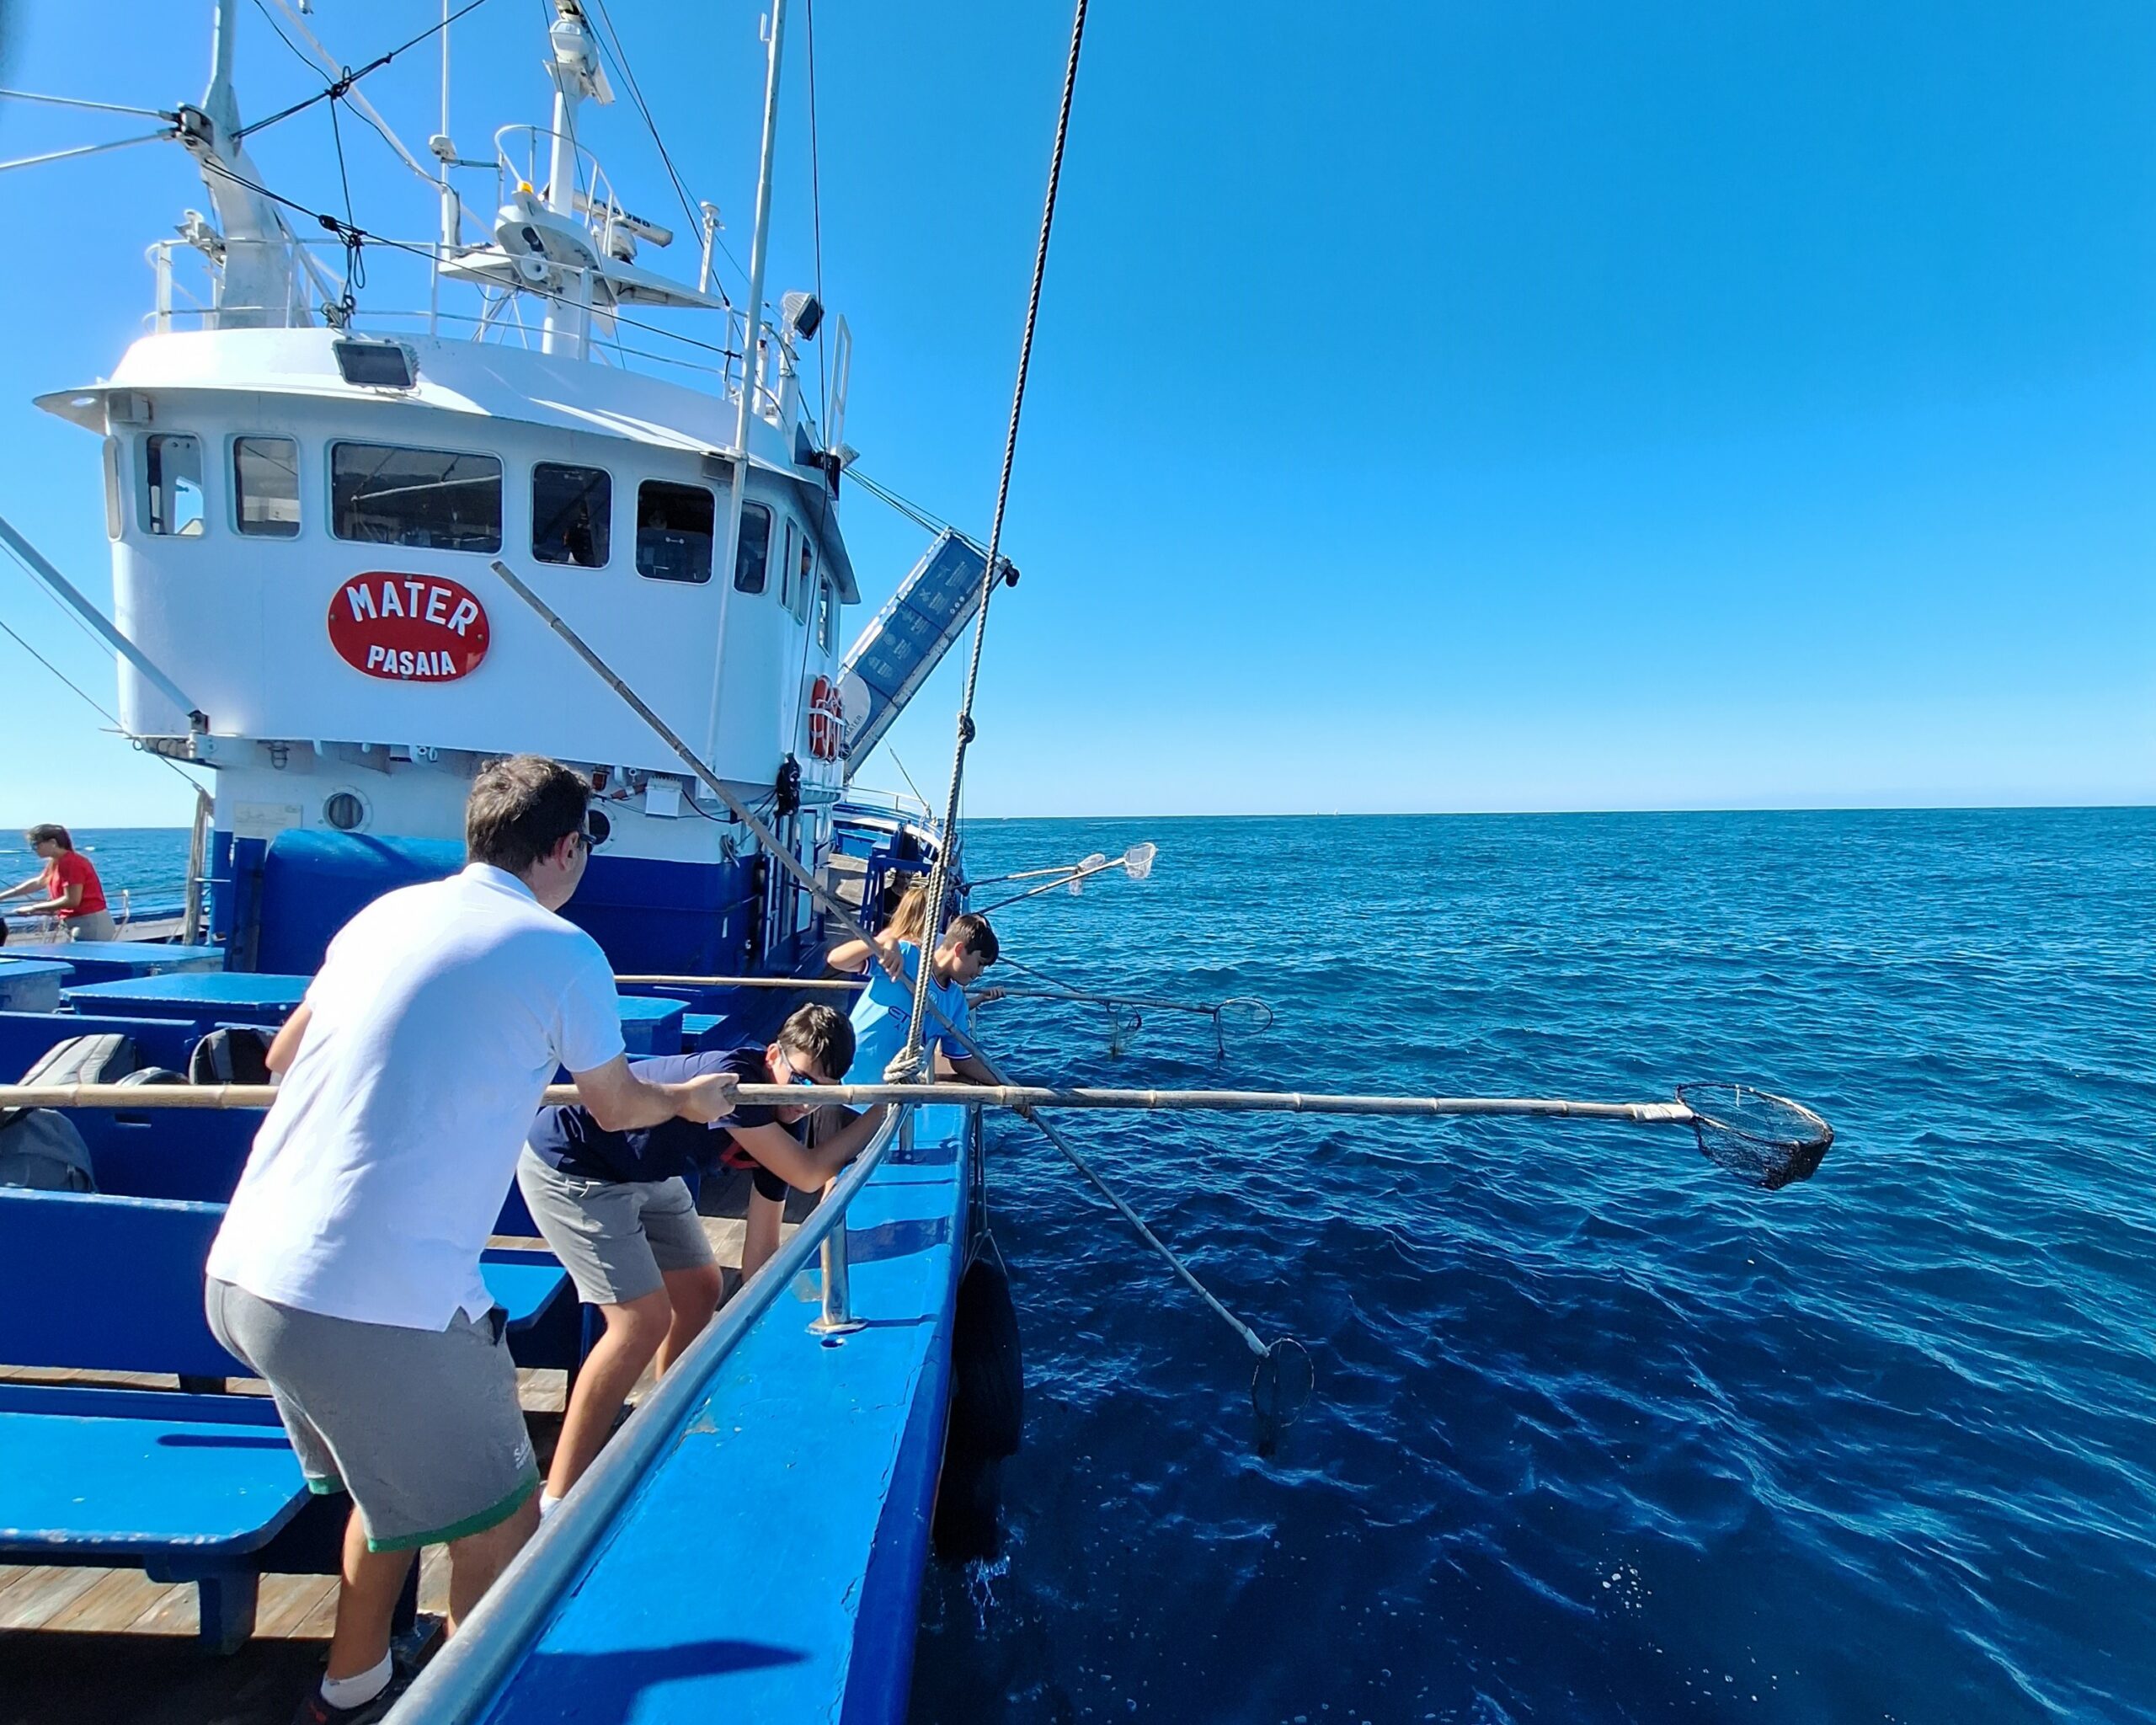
35, 1606
114, 1600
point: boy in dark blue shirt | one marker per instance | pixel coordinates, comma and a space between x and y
619, 1210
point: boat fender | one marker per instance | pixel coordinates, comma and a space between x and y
986, 1417
104, 1058
234, 1054
988, 1372
968, 1523
154, 1075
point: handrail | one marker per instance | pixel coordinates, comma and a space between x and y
466, 1677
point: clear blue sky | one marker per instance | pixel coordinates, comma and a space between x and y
1436, 406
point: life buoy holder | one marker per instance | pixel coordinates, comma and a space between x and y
826, 719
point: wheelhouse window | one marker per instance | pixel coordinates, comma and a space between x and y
572, 514
804, 578
786, 569
266, 487
674, 531
115, 516
172, 485
827, 618
435, 500
751, 562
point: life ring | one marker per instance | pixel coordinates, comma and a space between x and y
826, 719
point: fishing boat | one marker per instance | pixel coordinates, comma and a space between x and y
358, 550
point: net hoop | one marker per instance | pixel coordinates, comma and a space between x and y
1245, 1012
1764, 1138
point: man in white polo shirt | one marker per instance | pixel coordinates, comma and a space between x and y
347, 1270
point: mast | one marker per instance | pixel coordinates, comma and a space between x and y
751, 349
574, 68
256, 290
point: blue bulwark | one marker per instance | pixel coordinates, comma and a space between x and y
769, 1567
907, 638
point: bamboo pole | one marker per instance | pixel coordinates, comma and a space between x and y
133, 1098
812, 982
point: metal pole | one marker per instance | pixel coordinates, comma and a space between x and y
710, 212
751, 325
65, 591
450, 225
198, 851
836, 1318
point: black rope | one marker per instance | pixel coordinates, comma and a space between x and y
353, 236
95, 707
298, 53
345, 80
355, 274
611, 38
913, 511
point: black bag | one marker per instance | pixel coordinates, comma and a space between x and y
40, 1148
234, 1054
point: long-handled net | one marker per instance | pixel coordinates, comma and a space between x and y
1765, 1139
1126, 1013
1136, 862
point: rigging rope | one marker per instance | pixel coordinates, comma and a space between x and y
348, 78
93, 705
991, 573
612, 38
94, 107
351, 236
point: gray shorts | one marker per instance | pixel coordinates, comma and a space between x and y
422, 1427
94, 925
616, 1238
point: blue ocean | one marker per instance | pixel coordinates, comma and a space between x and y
1598, 1434
143, 868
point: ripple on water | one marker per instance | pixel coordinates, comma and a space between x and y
1597, 1435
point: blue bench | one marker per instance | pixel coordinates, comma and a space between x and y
194, 1487
228, 997
31, 985
116, 960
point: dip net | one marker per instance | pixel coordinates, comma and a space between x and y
1765, 1140
1280, 1388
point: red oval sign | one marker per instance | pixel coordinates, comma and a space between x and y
408, 628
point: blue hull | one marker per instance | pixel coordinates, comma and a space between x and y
770, 1566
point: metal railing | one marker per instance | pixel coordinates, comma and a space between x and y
466, 1677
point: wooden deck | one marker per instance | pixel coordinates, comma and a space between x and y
82, 1645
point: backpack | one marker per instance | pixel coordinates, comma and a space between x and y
40, 1148
234, 1054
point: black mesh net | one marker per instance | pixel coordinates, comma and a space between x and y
1765, 1140
1280, 1388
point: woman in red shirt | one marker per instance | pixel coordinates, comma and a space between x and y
71, 889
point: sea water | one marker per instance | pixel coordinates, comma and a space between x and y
1598, 1434
145, 864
